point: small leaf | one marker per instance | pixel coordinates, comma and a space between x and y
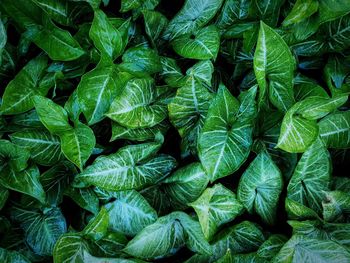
215, 207
98, 226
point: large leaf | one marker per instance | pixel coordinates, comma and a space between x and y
84, 197
18, 94
44, 148
201, 44
215, 207
132, 167
302, 249
130, 212
225, 140
311, 177
96, 91
57, 10
77, 144
336, 206
137, 106
274, 67
335, 130
193, 15
42, 230
260, 187
107, 39
185, 185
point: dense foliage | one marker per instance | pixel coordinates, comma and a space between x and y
174, 131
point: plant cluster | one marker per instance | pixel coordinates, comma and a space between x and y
188, 131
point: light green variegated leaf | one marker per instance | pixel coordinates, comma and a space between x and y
107, 39
56, 180
111, 244
42, 230
166, 236
130, 212
185, 185
311, 177
335, 73
18, 94
330, 10
193, 15
157, 198
215, 207
305, 87
127, 5
268, 11
84, 197
70, 247
233, 11
57, 10
4, 194
98, 226
77, 144
3, 38
140, 61
137, 106
188, 109
201, 44
53, 116
138, 134
12, 256
274, 67
132, 167
163, 237
171, 73
335, 130
26, 181
301, 10
225, 141
298, 211
44, 148
336, 206
260, 187
297, 133
271, 246
325, 231
201, 72
96, 91
301, 249
59, 46
315, 108
155, 23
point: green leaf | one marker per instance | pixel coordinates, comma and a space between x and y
4, 194
330, 10
140, 61
130, 212
107, 39
18, 94
336, 206
201, 44
271, 246
131, 167
127, 5
96, 91
260, 187
53, 116
185, 185
301, 10
311, 176
98, 226
137, 106
59, 46
85, 198
70, 247
3, 38
215, 207
193, 15
13, 156
138, 134
77, 144
44, 148
57, 10
26, 181
296, 210
233, 11
335, 130
274, 67
225, 140
155, 23
42, 230
12, 256
302, 249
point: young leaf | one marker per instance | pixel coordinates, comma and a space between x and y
215, 207
274, 67
260, 187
